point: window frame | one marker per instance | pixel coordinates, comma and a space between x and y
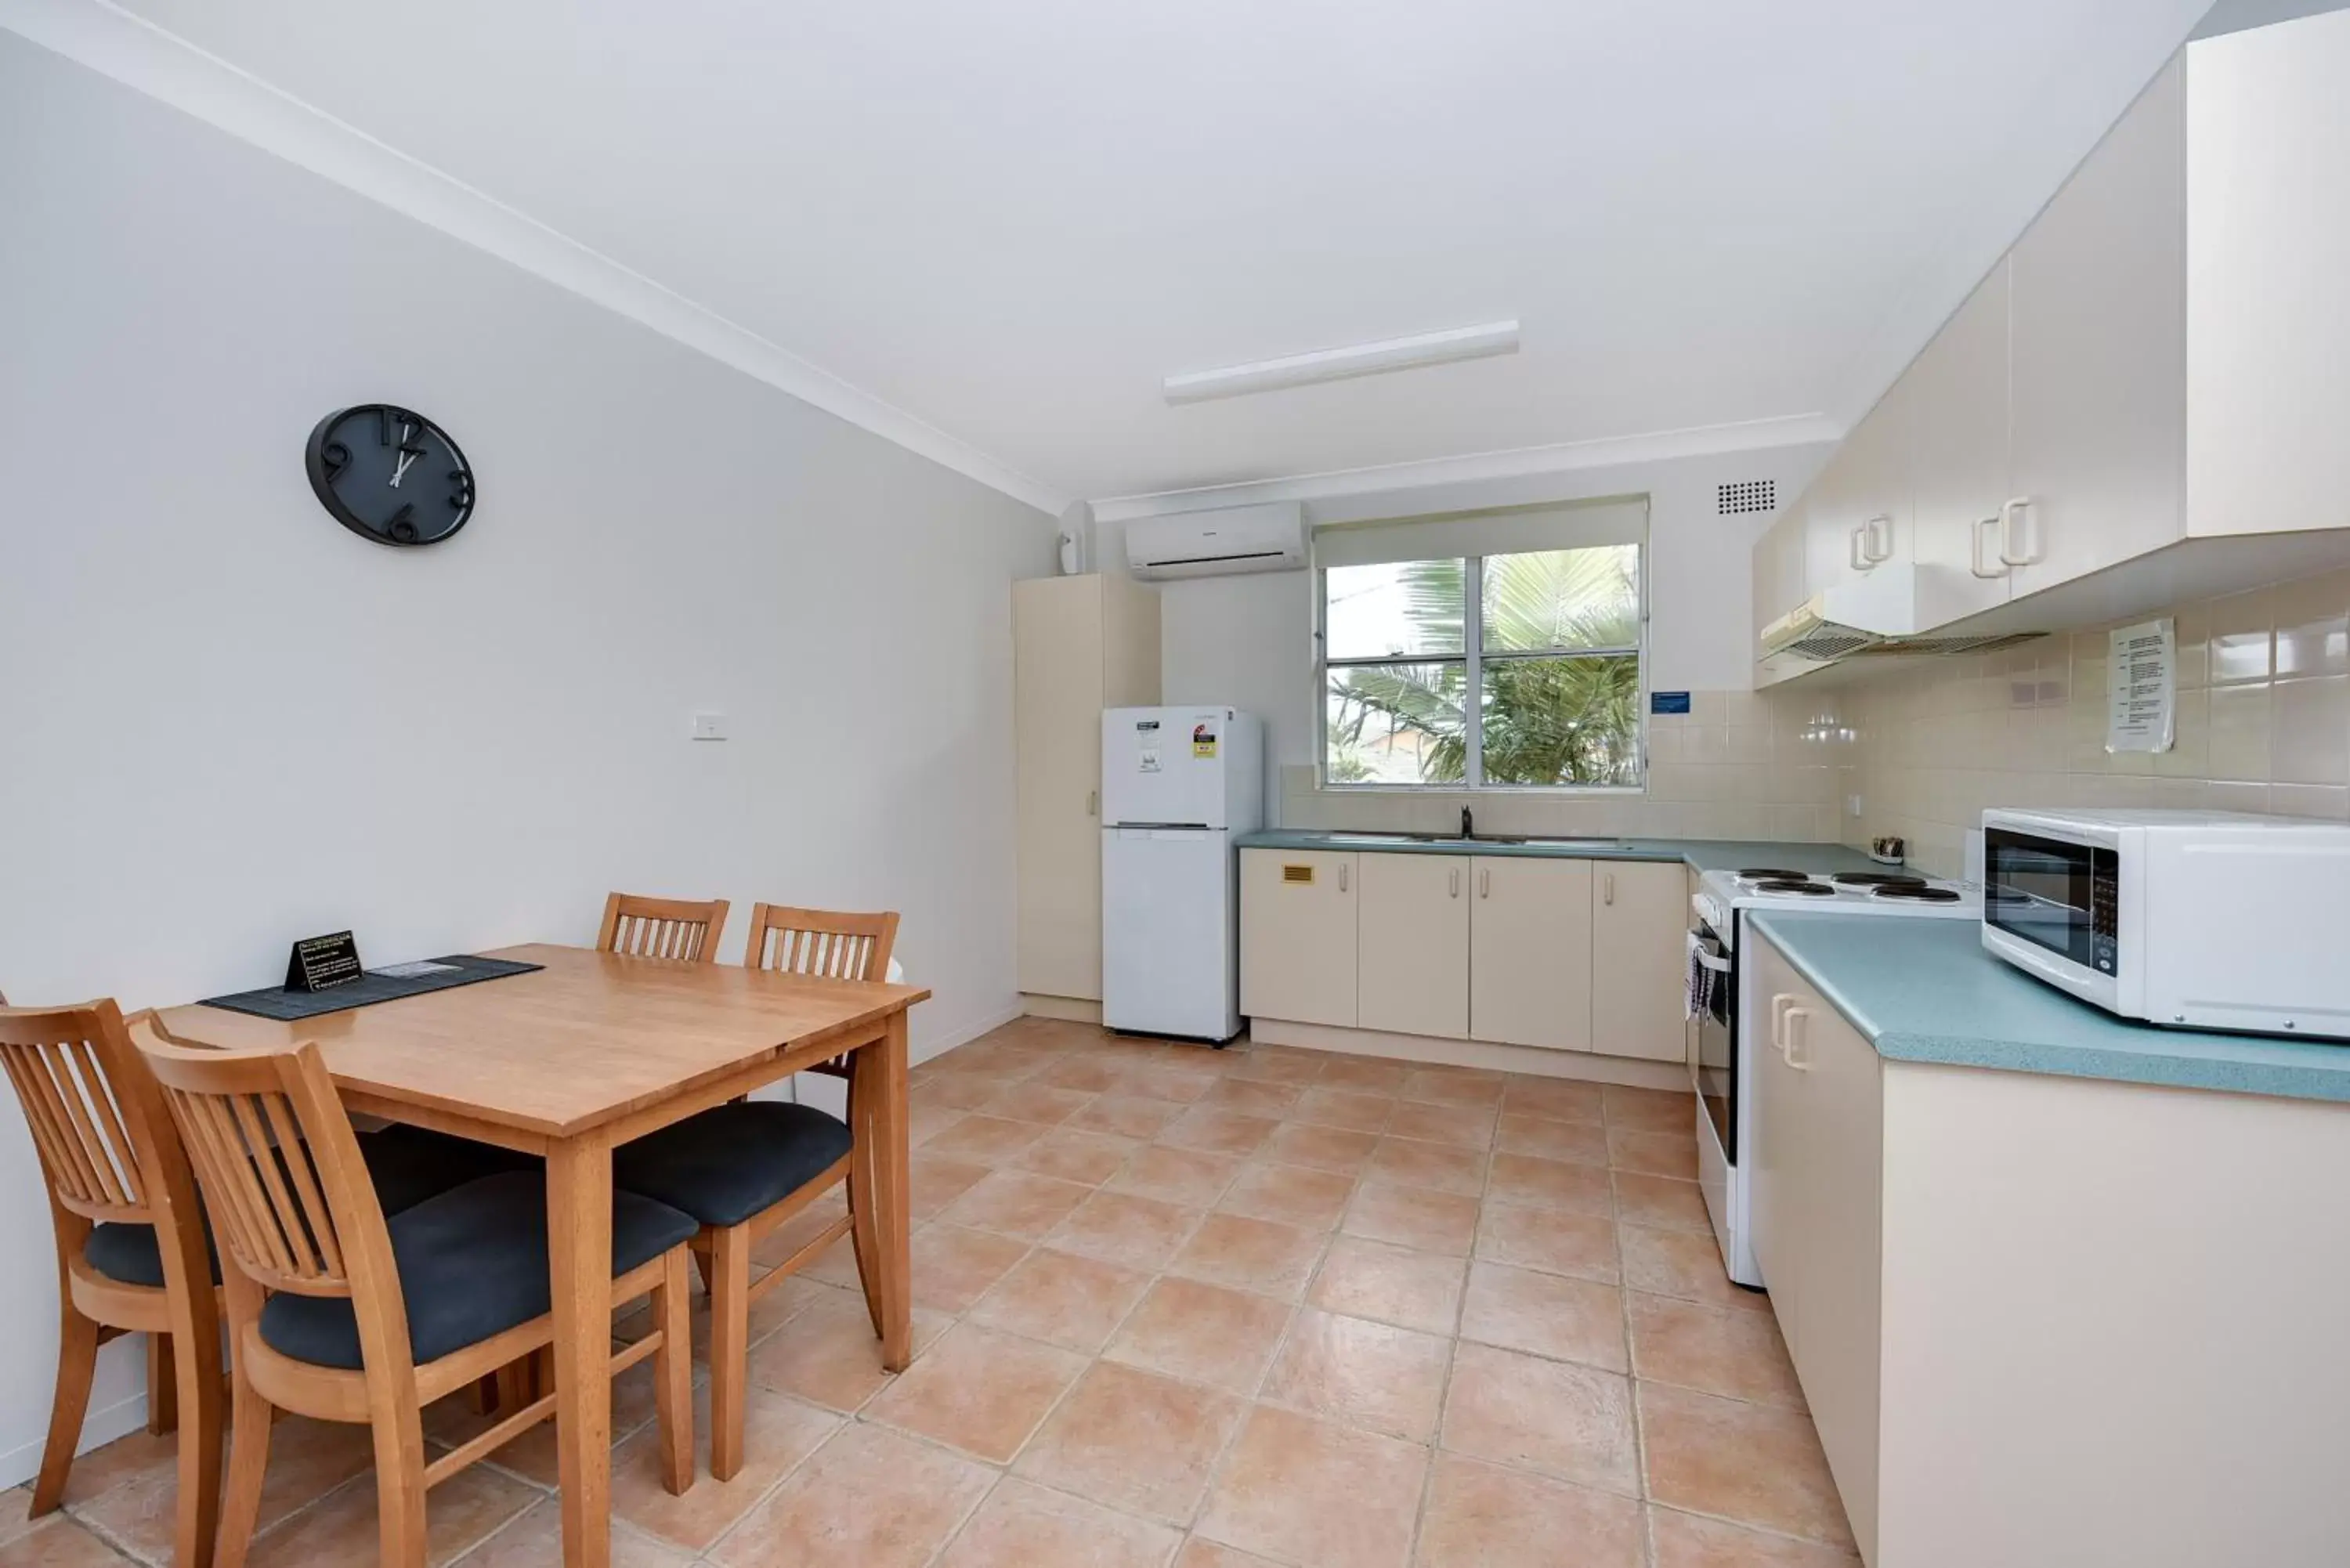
1472, 659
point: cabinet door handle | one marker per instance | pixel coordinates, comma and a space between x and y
1876, 541
2019, 509
1485, 883
1975, 548
1788, 1047
1607, 888
1093, 803
1342, 876
1858, 552
1456, 881
1779, 1005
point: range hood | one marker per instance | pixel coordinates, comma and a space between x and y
1879, 613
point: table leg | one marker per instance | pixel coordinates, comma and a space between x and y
579, 1263
880, 1096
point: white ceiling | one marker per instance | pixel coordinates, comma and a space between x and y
1011, 220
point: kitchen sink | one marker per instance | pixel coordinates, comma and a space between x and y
1467, 842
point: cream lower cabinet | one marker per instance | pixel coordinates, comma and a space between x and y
1639, 913
1299, 935
1529, 969
1413, 954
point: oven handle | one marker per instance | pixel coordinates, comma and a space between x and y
1706, 959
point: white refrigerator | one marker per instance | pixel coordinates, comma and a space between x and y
1179, 784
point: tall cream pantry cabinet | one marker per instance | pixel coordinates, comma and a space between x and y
1079, 644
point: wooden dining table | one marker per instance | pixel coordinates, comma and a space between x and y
583, 1054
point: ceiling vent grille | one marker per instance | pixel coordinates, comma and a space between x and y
1746, 495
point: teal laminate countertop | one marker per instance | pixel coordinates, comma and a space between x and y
1925, 991
1705, 854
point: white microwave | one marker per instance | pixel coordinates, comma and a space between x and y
2200, 919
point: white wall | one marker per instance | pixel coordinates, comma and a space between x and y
1243, 640
228, 723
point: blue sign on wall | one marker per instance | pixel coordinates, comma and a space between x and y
1668, 702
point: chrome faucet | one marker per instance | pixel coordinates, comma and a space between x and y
1468, 823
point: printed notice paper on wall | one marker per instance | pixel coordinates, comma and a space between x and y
2141, 686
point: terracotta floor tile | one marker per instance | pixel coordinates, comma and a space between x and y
778, 1432
1202, 1332
978, 1390
1034, 1101
1075, 1154
58, 1541
953, 1267
982, 1139
1558, 1099
341, 1528
1480, 1516
1685, 1541
1444, 1167
831, 1354
1200, 1552
535, 1540
1584, 1142
1276, 1064
1136, 1441
1545, 1315
1292, 1194
16, 1513
1315, 1494
1653, 1153
1126, 1115
1470, 1127
1746, 1463
1572, 1423
1087, 1074
1025, 1526
958, 1091
1254, 1097
1556, 1183
1126, 1228
1582, 1245
870, 1497
1182, 1085
1368, 1074
1248, 1254
1324, 1147
1735, 1353
1662, 1202
925, 1122
1392, 1284
1650, 1110
1016, 1203
1451, 1087
139, 1509
1217, 1131
533, 1455
1358, 1373
1412, 1217
1061, 1298
1680, 1264
1343, 1108
1187, 1176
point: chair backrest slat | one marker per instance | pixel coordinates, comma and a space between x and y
661, 927
56, 1059
824, 942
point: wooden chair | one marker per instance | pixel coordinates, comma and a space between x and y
743, 1170
338, 1314
661, 927
131, 1253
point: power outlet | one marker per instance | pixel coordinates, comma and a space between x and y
1852, 805
709, 726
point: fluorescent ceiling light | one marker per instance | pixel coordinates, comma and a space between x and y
1340, 364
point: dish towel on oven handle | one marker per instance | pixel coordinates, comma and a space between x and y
1705, 973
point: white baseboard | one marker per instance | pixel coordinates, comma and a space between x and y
1527, 1059
1076, 1009
100, 1427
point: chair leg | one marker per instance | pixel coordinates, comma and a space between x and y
730, 1348
76, 1361
162, 1386
674, 1375
199, 1409
250, 1419
864, 1235
399, 1489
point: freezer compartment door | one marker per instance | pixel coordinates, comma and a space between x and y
1171, 927
1165, 765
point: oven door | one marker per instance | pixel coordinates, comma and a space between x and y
2056, 903
1713, 1052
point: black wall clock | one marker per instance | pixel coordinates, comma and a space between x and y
390, 475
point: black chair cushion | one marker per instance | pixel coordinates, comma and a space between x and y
728, 1163
473, 1262
407, 1165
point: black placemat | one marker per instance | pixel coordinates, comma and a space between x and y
371, 987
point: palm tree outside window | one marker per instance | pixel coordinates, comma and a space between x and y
1499, 671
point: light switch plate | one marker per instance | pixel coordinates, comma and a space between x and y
709, 726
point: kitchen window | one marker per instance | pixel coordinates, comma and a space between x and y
1496, 669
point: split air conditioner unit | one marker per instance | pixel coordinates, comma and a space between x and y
1270, 537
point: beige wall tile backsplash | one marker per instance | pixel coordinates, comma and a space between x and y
2264, 724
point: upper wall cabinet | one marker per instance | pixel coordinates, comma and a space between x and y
2151, 374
